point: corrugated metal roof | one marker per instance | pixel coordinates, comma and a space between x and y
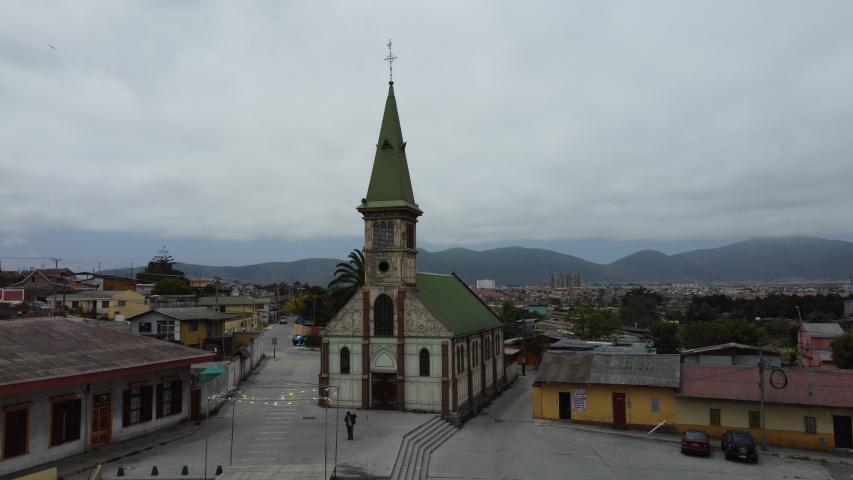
830, 330
213, 301
35, 349
731, 346
89, 295
193, 313
610, 369
806, 386
450, 301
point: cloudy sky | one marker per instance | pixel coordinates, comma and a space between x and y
244, 132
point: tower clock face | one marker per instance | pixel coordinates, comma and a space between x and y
384, 266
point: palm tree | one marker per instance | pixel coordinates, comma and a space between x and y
349, 276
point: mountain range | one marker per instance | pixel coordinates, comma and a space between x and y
758, 259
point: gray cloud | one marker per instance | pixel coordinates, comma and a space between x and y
551, 121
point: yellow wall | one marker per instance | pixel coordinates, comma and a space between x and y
599, 403
785, 423
134, 304
250, 323
193, 338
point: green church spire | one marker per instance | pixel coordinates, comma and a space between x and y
390, 185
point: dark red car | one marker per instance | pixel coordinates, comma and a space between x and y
695, 442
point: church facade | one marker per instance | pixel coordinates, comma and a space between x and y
408, 340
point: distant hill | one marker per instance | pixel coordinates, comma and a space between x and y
759, 259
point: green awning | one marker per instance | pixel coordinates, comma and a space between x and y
210, 373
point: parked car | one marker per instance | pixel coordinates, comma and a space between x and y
737, 444
695, 442
298, 340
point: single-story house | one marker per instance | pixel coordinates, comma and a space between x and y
67, 387
623, 390
814, 344
804, 407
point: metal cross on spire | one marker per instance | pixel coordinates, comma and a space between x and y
390, 59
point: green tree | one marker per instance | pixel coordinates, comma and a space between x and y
162, 265
639, 307
349, 276
665, 336
172, 286
704, 334
842, 351
742, 331
590, 323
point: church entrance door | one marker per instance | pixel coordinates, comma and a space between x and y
384, 393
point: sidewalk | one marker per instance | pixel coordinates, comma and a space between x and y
85, 462
780, 452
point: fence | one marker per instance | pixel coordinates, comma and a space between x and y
233, 372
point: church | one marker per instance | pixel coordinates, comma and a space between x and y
408, 340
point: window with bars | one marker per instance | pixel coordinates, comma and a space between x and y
64, 421
811, 424
714, 413
345, 360
169, 398
137, 405
424, 362
105, 304
383, 316
754, 419
655, 404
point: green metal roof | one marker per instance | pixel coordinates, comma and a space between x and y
389, 180
453, 304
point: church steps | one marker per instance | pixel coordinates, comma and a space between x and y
401, 463
421, 466
416, 447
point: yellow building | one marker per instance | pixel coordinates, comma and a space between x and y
625, 390
235, 304
112, 304
804, 408
197, 327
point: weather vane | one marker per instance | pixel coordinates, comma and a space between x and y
390, 59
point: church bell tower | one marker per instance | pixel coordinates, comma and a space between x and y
389, 209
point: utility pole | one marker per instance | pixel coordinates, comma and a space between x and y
761, 397
524, 347
55, 261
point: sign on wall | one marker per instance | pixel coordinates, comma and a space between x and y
579, 399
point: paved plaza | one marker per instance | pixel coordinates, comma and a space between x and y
277, 421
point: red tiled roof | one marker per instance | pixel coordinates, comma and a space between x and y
806, 386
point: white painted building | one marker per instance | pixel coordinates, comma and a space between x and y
81, 387
407, 340
486, 283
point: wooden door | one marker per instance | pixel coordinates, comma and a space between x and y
565, 405
384, 394
101, 419
619, 409
195, 404
843, 429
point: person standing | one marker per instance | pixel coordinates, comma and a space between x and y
349, 421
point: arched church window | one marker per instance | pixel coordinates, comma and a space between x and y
383, 316
377, 232
345, 360
498, 349
424, 362
460, 359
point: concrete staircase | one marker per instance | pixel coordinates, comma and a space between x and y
417, 446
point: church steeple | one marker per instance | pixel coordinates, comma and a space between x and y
389, 209
390, 184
